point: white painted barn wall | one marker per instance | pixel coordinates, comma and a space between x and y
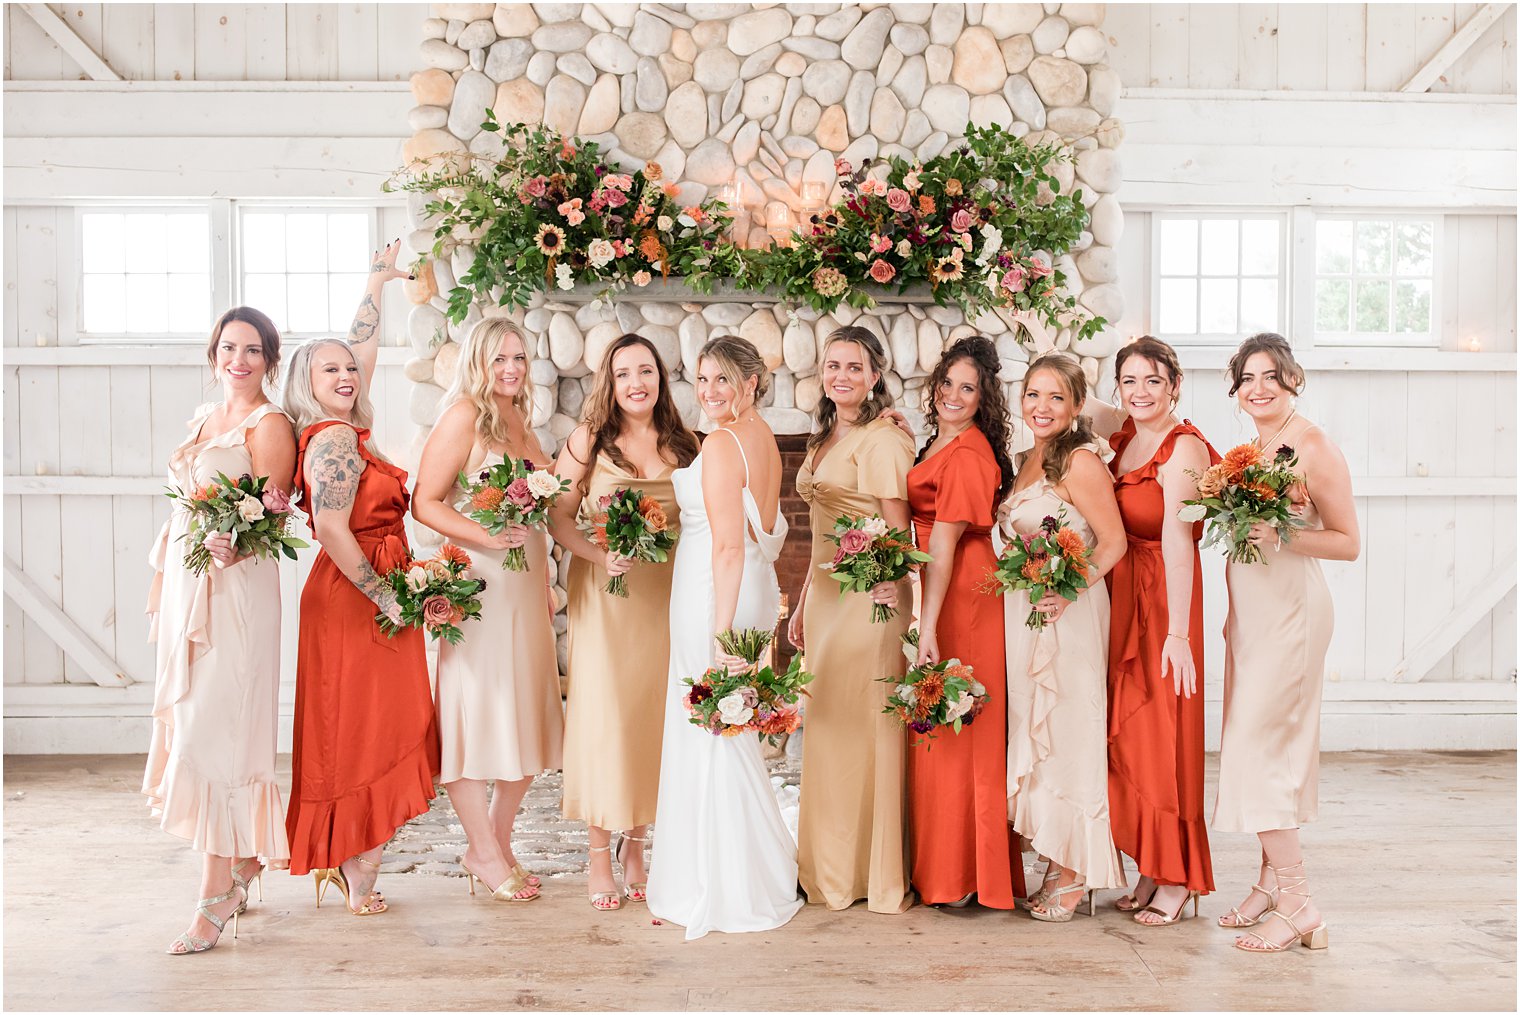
309, 103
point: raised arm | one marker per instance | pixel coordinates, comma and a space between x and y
1177, 552
446, 452
364, 333
333, 467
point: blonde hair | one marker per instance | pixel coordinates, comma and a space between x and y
738, 361
1059, 450
475, 380
300, 402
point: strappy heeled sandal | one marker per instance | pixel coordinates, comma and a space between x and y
195, 944
1316, 937
604, 902
1047, 883
638, 890
509, 890
527, 875
1239, 920
374, 905
243, 883
1052, 911
1131, 903
1167, 919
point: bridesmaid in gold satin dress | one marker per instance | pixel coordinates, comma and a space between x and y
851, 842
631, 437
499, 713
1276, 635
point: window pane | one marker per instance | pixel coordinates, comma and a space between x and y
1179, 247
308, 303
1259, 247
348, 246
263, 242
104, 303
1412, 307
189, 238
147, 238
190, 304
267, 293
305, 243
1414, 248
1179, 306
343, 295
1258, 305
1216, 314
1332, 247
1374, 248
1221, 247
104, 242
1332, 304
1371, 305
148, 303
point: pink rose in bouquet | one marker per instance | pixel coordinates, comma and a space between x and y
437, 611
1013, 279
275, 500
898, 200
882, 272
962, 220
518, 493
854, 541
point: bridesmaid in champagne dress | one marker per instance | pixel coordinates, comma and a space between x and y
1155, 699
365, 750
499, 713
210, 777
1058, 675
632, 437
851, 842
958, 792
1276, 635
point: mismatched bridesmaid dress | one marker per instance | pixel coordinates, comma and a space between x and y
365, 751
958, 791
850, 835
1057, 710
1275, 637
499, 714
210, 775
1155, 735
619, 660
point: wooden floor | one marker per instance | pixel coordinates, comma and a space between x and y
1414, 864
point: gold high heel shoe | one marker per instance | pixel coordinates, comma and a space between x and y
1239, 920
638, 891
1051, 910
195, 944
1316, 937
507, 891
604, 902
1047, 884
243, 883
334, 876
1167, 919
527, 875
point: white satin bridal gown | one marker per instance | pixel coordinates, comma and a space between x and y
723, 858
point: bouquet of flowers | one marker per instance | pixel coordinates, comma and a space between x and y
871, 552
1245, 488
967, 222
513, 492
935, 695
436, 595
251, 510
630, 524
755, 699
1054, 559
550, 211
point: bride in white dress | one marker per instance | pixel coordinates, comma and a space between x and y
723, 857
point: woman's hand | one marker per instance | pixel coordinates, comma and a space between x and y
1264, 533
734, 664
383, 263
1177, 659
1052, 606
514, 536
616, 564
222, 547
385, 600
900, 421
794, 625
885, 594
928, 648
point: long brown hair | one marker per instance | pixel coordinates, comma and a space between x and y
1058, 450
879, 399
603, 418
1290, 376
269, 338
992, 407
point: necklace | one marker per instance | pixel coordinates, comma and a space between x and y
1280, 431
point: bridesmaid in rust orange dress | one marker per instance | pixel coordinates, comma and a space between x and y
962, 845
1155, 676
365, 751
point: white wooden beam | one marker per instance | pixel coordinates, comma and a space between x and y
60, 627
1454, 626
1460, 42
70, 43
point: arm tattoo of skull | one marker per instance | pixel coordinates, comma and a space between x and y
366, 321
334, 467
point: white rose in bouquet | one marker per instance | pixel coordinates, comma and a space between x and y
543, 483
250, 509
416, 578
734, 710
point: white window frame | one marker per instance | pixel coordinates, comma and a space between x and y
1307, 277
235, 247
1284, 262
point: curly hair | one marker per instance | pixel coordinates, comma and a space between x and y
604, 419
1059, 450
877, 401
992, 407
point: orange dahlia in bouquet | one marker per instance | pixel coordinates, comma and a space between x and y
935, 695
1245, 488
630, 524
1055, 558
437, 595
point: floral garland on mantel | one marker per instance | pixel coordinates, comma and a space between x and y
980, 225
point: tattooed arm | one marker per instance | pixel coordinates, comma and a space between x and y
333, 466
364, 333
